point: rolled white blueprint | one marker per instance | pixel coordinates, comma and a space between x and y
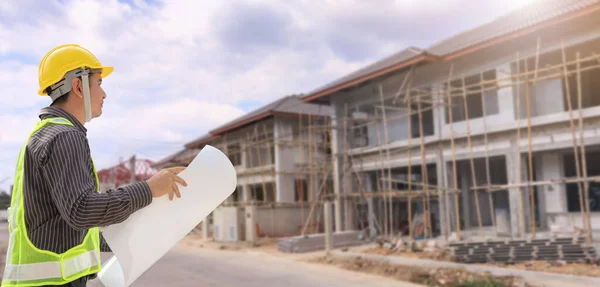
148, 234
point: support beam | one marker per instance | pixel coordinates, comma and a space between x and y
328, 227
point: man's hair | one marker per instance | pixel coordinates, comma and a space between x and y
62, 99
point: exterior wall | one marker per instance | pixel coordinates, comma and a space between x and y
284, 159
283, 220
228, 224
549, 125
279, 177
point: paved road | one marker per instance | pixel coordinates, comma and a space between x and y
185, 266
3, 231
192, 267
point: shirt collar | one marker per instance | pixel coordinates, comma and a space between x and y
53, 112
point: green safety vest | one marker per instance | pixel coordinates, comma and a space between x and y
26, 265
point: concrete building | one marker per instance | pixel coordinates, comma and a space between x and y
281, 153
484, 114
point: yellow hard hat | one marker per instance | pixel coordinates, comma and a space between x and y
63, 59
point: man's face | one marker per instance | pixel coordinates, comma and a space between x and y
97, 94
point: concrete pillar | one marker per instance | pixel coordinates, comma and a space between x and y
513, 194
245, 193
284, 160
205, 228
348, 211
439, 115
370, 208
337, 148
443, 198
244, 155
506, 95
451, 210
525, 194
465, 195
250, 224
328, 227
554, 197
516, 195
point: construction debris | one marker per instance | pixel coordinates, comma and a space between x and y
420, 275
514, 251
314, 242
561, 267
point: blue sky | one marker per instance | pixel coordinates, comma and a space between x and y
185, 67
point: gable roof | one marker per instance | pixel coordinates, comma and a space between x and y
200, 141
289, 105
392, 63
529, 16
181, 157
522, 21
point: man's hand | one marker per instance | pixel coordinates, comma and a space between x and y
164, 182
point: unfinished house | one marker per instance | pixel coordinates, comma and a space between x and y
282, 155
493, 132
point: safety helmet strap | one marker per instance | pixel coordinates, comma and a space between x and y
65, 85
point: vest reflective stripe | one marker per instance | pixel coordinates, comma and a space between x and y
36, 271
27, 265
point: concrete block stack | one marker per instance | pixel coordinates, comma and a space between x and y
314, 242
514, 251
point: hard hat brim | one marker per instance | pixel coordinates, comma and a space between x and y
106, 70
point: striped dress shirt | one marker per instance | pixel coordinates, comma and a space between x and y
61, 202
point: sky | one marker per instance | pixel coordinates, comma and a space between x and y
184, 67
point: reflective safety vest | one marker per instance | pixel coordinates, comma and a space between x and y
26, 265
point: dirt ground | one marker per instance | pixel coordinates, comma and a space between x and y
426, 276
441, 255
579, 269
269, 246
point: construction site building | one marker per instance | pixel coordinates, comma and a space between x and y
278, 153
479, 135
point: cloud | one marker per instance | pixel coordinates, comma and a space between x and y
184, 67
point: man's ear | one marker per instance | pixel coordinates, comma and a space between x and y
76, 87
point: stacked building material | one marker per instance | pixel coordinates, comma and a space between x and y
514, 251
314, 242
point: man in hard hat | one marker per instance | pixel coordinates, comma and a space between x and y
56, 208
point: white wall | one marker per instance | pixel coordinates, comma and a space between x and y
284, 159
283, 220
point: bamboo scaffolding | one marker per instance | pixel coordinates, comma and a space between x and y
487, 157
389, 169
519, 178
429, 186
454, 175
494, 188
301, 149
472, 164
529, 153
362, 193
385, 198
316, 168
586, 185
409, 178
425, 179
572, 125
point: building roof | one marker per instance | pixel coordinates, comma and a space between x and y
529, 16
533, 15
201, 141
180, 157
289, 105
392, 63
